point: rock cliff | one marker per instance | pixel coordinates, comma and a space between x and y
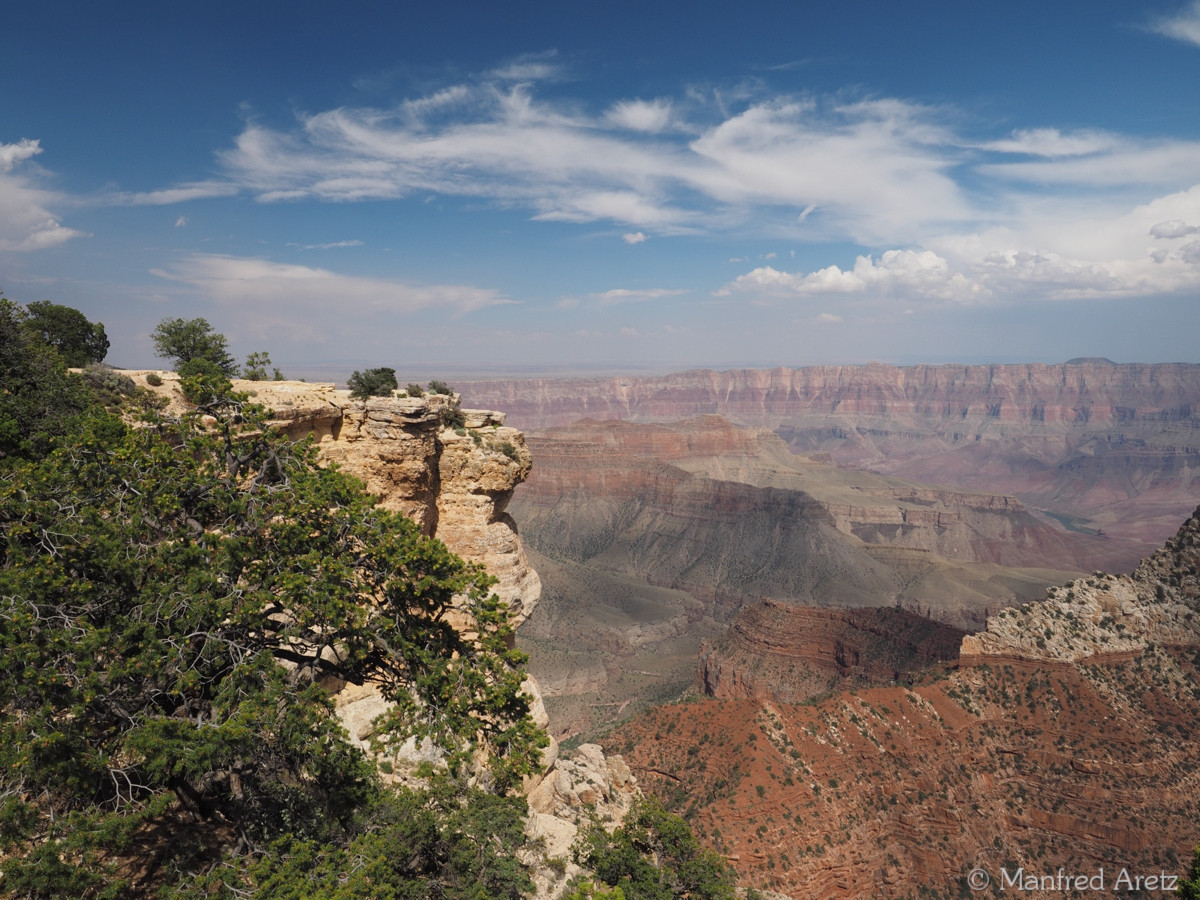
453, 480
788, 653
1104, 616
1116, 447
453, 471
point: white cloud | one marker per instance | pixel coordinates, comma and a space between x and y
1054, 143
894, 272
624, 295
11, 154
620, 295
1183, 26
1052, 204
829, 317
1174, 228
199, 190
26, 222
305, 298
181, 222
640, 115
332, 245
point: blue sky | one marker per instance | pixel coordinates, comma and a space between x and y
610, 185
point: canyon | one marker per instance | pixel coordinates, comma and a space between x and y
1062, 737
1108, 447
650, 538
829, 666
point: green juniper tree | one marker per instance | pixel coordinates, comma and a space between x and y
172, 599
184, 340
78, 341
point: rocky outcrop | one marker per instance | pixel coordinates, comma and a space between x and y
1104, 616
788, 653
453, 471
452, 474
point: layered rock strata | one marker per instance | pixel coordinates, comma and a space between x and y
787, 653
1065, 742
1117, 446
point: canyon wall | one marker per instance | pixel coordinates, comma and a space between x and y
1116, 447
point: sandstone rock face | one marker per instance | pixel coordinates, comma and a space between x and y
1115, 445
455, 485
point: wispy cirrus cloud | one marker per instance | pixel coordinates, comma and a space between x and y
307, 301
1182, 26
26, 220
939, 212
621, 295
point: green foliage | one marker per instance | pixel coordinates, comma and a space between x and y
184, 340
202, 381
154, 379
256, 367
414, 390
1189, 885
377, 382
410, 844
172, 598
453, 418
110, 387
439, 387
40, 402
654, 856
67, 331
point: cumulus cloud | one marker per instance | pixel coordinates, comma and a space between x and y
1183, 26
26, 222
634, 237
1175, 228
894, 272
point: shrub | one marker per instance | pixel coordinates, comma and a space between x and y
154, 379
415, 390
439, 387
202, 381
110, 386
377, 382
453, 418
